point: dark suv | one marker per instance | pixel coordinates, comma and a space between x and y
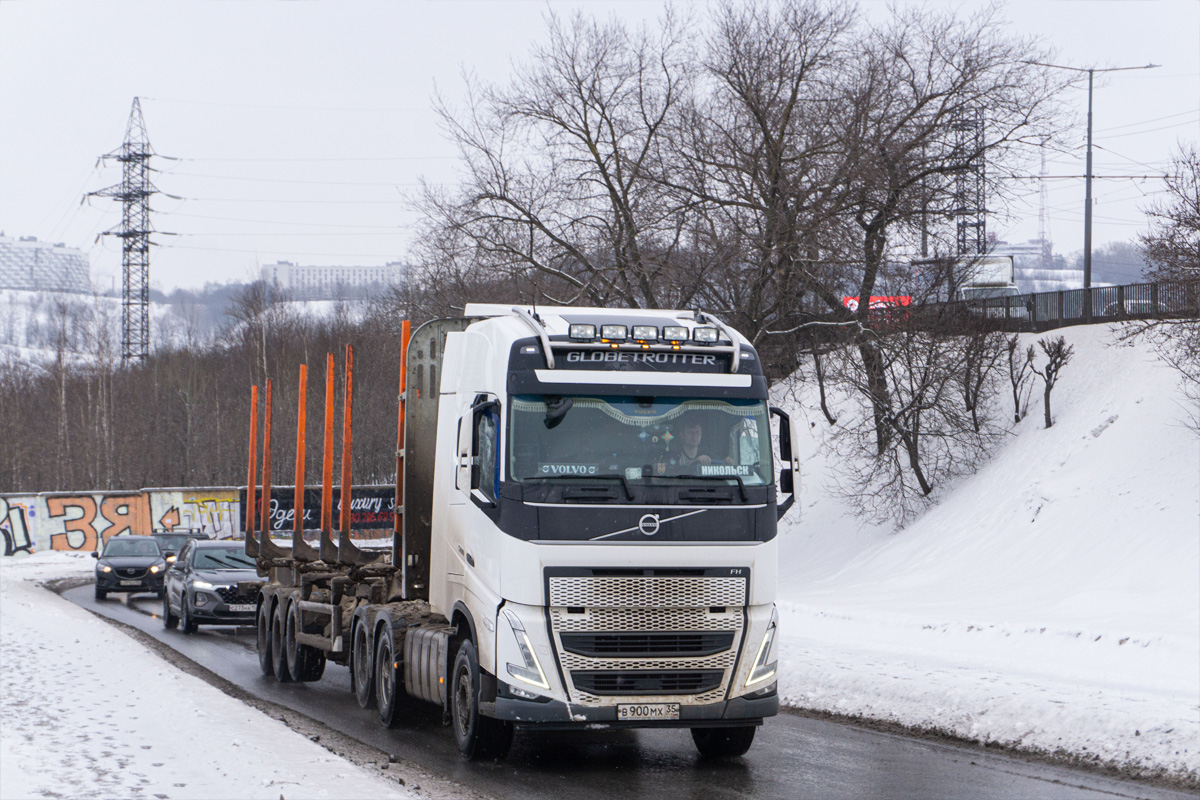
130, 564
173, 541
202, 586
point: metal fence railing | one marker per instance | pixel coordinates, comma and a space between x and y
1046, 310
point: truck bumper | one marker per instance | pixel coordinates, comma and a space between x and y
557, 714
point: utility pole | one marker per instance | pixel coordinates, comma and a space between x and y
1087, 192
134, 192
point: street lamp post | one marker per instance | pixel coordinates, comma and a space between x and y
1087, 192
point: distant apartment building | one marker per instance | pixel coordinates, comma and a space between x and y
28, 264
330, 283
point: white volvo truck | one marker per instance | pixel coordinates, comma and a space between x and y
587, 539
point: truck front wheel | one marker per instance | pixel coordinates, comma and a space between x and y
723, 742
479, 738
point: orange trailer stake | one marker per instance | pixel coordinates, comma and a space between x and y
266, 471
347, 438
327, 452
397, 519
301, 413
251, 483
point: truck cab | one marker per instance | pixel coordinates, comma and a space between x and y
601, 514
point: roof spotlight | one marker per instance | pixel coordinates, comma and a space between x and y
645, 333
619, 332
705, 335
583, 331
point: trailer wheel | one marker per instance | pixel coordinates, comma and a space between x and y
170, 621
304, 662
263, 639
389, 679
479, 738
361, 667
279, 663
723, 742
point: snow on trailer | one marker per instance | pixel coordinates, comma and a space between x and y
564, 554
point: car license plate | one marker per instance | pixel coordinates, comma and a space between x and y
241, 606
647, 711
131, 583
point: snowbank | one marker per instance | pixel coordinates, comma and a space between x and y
85, 711
1051, 602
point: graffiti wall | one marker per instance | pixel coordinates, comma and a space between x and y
84, 521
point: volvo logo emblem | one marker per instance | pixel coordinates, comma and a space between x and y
648, 524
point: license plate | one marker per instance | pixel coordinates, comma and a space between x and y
643, 712
131, 583
241, 606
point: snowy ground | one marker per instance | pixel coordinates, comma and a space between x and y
86, 711
1050, 602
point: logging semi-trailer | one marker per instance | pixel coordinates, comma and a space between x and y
585, 532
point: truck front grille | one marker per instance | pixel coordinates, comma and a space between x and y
618, 636
643, 682
645, 645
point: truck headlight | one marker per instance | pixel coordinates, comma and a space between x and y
763, 670
531, 671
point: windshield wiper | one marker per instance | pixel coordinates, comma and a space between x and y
624, 481
741, 484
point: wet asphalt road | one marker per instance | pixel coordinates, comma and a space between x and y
792, 757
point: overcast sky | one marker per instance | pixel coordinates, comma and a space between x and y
300, 127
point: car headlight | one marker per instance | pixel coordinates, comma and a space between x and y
531, 671
171, 559
201, 584
201, 599
763, 670
105, 568
154, 570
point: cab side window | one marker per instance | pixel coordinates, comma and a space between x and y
485, 475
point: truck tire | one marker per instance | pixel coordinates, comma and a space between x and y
170, 621
262, 623
279, 663
479, 738
304, 662
723, 742
390, 695
101, 594
362, 666
187, 623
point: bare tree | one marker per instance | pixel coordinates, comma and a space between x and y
1172, 248
561, 165
1058, 353
982, 352
1019, 375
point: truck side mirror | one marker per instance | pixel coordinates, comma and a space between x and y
788, 474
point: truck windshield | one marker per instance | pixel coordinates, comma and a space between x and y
986, 292
640, 438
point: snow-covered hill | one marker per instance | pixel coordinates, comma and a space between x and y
1050, 602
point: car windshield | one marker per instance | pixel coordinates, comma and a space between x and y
638, 438
223, 558
131, 546
172, 541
